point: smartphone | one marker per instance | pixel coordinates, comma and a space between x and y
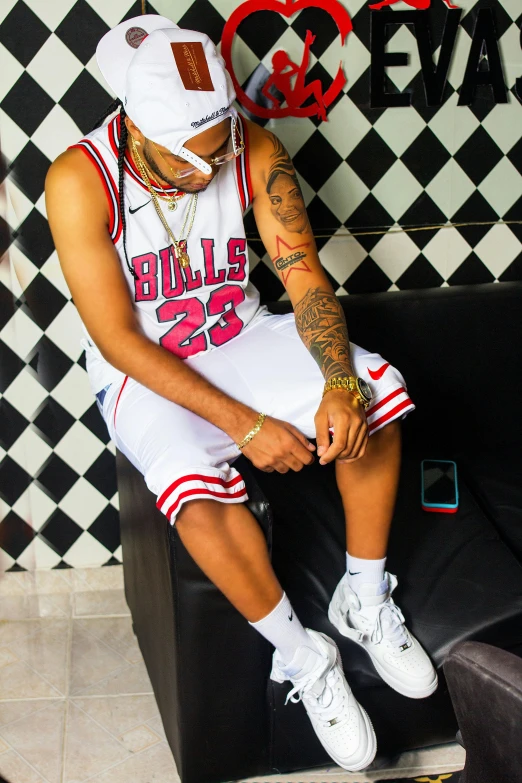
439, 488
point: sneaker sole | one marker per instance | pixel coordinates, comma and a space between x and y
397, 685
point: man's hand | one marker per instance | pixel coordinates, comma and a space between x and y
279, 446
341, 411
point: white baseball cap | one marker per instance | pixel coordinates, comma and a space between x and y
172, 82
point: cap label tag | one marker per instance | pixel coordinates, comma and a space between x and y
192, 66
135, 35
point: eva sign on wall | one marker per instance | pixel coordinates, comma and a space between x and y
287, 89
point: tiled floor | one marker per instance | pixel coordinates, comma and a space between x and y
76, 703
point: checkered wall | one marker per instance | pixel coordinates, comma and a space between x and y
399, 198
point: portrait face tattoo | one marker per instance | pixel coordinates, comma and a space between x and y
287, 201
284, 191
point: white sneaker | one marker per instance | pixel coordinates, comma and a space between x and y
377, 624
341, 724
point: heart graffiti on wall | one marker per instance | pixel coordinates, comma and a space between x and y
286, 91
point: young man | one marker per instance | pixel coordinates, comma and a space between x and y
189, 371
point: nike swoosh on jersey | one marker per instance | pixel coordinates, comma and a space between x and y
132, 211
376, 375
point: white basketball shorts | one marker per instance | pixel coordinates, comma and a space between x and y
183, 456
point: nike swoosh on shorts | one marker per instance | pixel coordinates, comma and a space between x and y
376, 375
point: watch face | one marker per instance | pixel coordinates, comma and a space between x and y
364, 389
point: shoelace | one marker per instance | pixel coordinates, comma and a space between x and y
328, 701
389, 620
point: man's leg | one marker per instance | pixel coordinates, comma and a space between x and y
228, 545
225, 540
362, 602
368, 489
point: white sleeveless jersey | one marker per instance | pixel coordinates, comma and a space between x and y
186, 310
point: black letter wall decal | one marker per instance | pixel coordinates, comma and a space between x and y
518, 83
433, 76
484, 42
380, 59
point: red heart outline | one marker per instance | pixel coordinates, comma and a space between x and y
287, 8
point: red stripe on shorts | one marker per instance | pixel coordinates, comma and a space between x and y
204, 491
117, 401
384, 401
390, 414
197, 477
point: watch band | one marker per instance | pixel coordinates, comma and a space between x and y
346, 383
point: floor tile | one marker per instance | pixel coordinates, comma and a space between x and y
25, 607
155, 765
46, 581
89, 749
105, 578
10, 630
91, 661
18, 681
16, 770
38, 738
156, 725
116, 632
13, 710
139, 738
6, 656
10, 584
3, 746
46, 653
133, 678
119, 714
99, 603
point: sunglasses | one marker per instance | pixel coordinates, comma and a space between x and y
218, 161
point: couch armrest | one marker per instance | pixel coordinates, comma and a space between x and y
485, 685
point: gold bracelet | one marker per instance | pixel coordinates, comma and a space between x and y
253, 431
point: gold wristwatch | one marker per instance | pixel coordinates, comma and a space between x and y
356, 386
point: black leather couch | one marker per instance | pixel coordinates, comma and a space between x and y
460, 575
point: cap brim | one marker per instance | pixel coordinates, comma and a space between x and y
117, 48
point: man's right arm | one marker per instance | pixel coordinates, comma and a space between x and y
78, 216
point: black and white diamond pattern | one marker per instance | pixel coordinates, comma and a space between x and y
399, 198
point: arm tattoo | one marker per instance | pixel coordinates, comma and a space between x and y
284, 191
286, 258
321, 324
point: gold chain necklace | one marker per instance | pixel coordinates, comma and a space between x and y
171, 200
180, 245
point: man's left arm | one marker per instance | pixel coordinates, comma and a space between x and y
285, 230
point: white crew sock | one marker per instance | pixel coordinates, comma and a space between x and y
362, 571
283, 629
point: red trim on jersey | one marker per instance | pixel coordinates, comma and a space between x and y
197, 477
390, 415
239, 178
244, 184
111, 191
204, 491
247, 161
118, 399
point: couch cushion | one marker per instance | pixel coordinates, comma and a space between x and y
457, 577
496, 482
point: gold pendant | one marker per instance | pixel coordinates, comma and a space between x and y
181, 253
172, 206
